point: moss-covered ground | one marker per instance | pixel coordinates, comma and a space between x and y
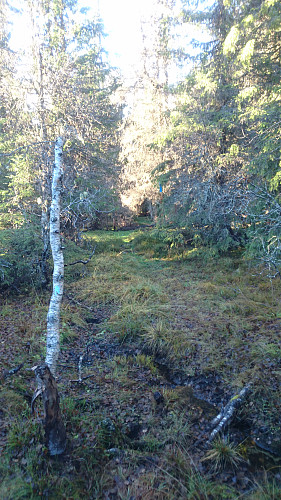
168, 336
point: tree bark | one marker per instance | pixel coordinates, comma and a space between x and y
53, 318
54, 428
227, 413
46, 241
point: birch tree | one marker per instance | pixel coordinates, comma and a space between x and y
66, 83
54, 427
53, 318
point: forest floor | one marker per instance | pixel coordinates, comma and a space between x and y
164, 342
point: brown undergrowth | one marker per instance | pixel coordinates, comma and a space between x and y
165, 343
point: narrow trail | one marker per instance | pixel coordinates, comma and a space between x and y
147, 360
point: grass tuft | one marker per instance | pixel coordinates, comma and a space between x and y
223, 454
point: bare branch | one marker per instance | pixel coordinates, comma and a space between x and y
82, 261
27, 147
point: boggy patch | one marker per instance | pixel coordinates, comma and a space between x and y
209, 386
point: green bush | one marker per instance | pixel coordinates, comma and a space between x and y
264, 232
20, 254
220, 238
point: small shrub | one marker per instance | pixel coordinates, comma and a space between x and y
109, 435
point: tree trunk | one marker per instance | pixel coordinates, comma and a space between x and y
53, 318
44, 268
54, 428
45, 172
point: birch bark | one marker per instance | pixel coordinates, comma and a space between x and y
53, 317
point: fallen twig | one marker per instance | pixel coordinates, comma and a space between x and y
81, 261
84, 378
80, 378
11, 372
66, 365
78, 303
227, 413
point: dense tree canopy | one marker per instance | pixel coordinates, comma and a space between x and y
211, 141
224, 132
65, 88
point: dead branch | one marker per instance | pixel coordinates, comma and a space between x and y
66, 365
78, 303
26, 147
81, 261
9, 373
36, 395
83, 378
228, 412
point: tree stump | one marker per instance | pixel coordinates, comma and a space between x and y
54, 428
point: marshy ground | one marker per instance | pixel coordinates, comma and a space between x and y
167, 336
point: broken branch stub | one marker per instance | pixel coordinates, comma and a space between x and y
54, 428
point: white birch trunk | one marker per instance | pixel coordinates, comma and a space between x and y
53, 317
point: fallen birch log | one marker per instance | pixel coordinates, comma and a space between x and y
227, 413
